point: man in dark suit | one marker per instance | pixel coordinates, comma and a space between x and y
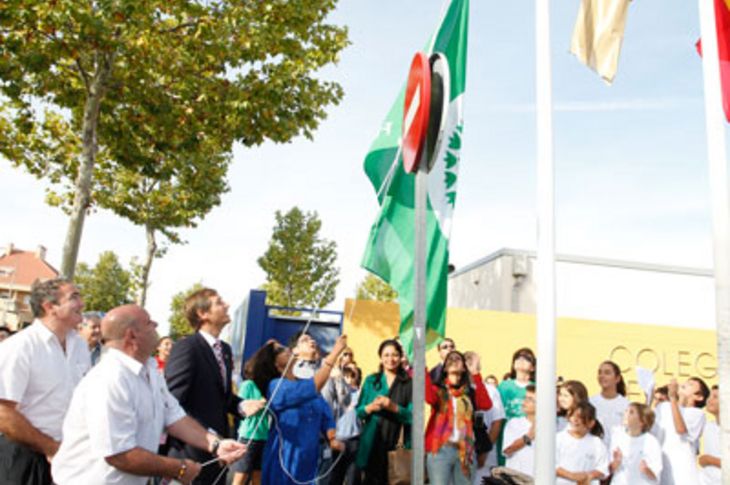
198, 374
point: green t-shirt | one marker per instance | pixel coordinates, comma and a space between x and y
249, 390
512, 395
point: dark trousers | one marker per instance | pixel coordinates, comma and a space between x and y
344, 471
22, 466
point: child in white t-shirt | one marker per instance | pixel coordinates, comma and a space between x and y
679, 425
710, 471
580, 455
637, 455
611, 402
518, 437
570, 394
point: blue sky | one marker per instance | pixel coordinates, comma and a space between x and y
631, 163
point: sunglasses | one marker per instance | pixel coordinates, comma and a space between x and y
347, 354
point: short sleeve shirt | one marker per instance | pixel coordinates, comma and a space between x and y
711, 475
634, 450
580, 455
120, 405
522, 460
40, 376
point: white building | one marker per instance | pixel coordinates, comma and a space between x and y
591, 288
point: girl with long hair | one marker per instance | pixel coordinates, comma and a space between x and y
611, 402
580, 456
449, 438
299, 415
570, 394
636, 453
513, 389
254, 428
385, 408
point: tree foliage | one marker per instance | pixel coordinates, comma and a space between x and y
162, 206
373, 288
299, 264
107, 285
179, 325
85, 85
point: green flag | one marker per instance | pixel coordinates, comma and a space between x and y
390, 249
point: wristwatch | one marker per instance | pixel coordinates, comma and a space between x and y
214, 448
526, 439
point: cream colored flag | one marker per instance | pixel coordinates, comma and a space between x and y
598, 33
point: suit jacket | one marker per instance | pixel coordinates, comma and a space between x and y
194, 378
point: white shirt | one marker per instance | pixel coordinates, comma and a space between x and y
36, 373
679, 451
633, 450
580, 455
208, 338
711, 475
522, 460
610, 413
120, 405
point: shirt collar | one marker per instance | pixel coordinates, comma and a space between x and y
130, 363
46, 333
208, 337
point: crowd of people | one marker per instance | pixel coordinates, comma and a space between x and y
91, 398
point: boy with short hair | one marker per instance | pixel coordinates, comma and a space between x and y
519, 435
679, 425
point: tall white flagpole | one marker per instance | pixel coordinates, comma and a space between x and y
720, 217
545, 431
419, 324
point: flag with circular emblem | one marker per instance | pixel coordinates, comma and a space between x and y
390, 249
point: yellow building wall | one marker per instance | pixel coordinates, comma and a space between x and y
582, 344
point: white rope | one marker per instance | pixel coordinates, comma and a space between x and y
266, 408
287, 472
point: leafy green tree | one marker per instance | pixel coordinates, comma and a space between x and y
373, 288
127, 83
179, 325
299, 265
162, 205
107, 285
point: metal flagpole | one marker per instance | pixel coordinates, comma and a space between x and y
718, 172
545, 431
419, 324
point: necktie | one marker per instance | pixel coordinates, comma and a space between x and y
218, 351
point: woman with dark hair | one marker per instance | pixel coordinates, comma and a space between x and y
513, 390
385, 408
164, 347
254, 428
299, 415
611, 402
449, 438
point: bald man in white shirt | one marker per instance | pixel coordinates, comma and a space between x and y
120, 409
39, 368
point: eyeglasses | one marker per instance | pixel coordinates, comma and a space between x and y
448, 346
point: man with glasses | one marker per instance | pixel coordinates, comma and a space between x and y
90, 330
445, 346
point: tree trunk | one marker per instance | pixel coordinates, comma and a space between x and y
151, 251
82, 197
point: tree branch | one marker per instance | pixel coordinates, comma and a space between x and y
184, 25
83, 73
